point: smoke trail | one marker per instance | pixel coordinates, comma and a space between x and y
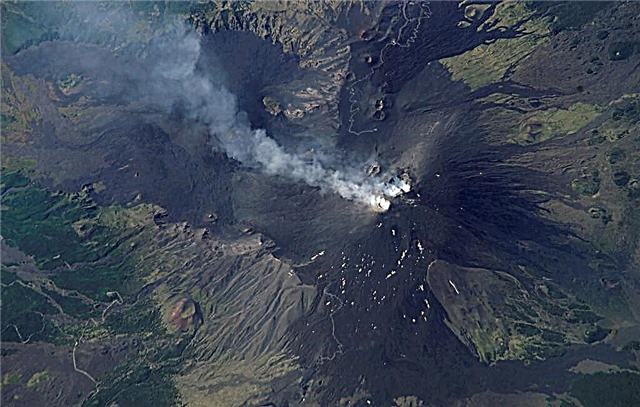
212, 104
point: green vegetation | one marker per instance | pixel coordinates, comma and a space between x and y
611, 304
553, 351
567, 16
143, 316
617, 155
18, 28
633, 189
588, 184
13, 163
621, 178
24, 308
19, 115
583, 316
531, 323
135, 383
627, 111
633, 345
40, 224
13, 179
62, 230
624, 119
11, 378
39, 377
526, 329
488, 63
620, 389
556, 122
595, 334
96, 280
553, 336
7, 277
6, 120
85, 247
144, 378
72, 305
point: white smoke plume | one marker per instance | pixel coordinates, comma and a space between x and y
210, 102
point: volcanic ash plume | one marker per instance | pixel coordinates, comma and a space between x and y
209, 101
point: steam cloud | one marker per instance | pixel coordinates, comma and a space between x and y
210, 102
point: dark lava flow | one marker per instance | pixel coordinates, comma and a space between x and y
469, 208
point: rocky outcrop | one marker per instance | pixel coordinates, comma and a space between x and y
311, 31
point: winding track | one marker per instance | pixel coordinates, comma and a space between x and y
354, 109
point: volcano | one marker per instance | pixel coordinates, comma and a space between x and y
327, 203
